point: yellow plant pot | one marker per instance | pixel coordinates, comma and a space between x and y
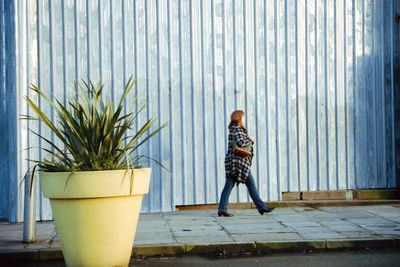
96, 213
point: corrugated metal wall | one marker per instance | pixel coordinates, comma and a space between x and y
9, 203
396, 84
315, 79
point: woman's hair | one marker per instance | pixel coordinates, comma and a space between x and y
236, 118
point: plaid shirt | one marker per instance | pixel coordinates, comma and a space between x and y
235, 166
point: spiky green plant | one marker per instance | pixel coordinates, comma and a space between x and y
93, 131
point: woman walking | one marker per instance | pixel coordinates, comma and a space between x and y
238, 161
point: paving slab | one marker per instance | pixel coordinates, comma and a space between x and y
321, 235
359, 234
313, 229
255, 227
320, 217
289, 218
250, 223
301, 224
208, 234
257, 231
344, 227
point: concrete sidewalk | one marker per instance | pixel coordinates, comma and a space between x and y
203, 232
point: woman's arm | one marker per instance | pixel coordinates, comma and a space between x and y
241, 138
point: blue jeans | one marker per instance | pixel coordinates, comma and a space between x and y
251, 187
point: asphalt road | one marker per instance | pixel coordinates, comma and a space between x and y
390, 258
374, 258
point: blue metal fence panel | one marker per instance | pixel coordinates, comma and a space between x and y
10, 192
315, 79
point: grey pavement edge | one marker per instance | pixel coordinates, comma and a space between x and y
204, 233
212, 250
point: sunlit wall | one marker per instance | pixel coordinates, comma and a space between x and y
315, 79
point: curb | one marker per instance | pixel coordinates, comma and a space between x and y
224, 249
290, 246
294, 204
163, 250
220, 249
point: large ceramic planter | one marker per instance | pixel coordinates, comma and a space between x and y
96, 213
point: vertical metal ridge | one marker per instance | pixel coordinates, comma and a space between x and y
354, 86
345, 91
88, 39
287, 97
256, 90
307, 92
336, 98
170, 106
214, 93
172, 189
383, 94
52, 115
149, 202
51, 61
18, 41
112, 51
353, 183
318, 180
63, 53
226, 112
276, 97
28, 77
194, 167
245, 56
181, 102
124, 55
224, 70
234, 53
266, 96
2, 50
160, 147
35, 124
135, 44
297, 100
123, 49
392, 97
5, 196
374, 107
245, 72
364, 68
326, 94
377, 62
76, 47
203, 106
100, 42
13, 61
383, 125
235, 59
40, 202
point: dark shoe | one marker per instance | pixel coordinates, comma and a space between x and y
265, 210
224, 213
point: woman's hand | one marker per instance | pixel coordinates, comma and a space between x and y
252, 139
